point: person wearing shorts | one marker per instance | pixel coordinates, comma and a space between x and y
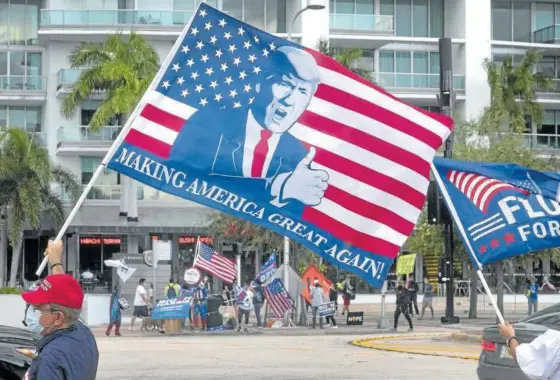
140, 303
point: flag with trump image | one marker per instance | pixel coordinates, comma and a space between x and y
502, 210
266, 130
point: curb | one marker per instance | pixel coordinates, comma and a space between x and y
466, 337
370, 343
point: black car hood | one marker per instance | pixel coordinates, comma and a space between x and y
12, 338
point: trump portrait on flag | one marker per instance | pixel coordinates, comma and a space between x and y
256, 146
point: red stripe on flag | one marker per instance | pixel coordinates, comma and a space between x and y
349, 235
162, 117
147, 143
368, 142
369, 210
469, 182
331, 64
373, 111
370, 177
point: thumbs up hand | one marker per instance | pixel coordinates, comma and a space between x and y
305, 184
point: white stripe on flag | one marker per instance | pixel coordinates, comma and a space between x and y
489, 231
371, 194
487, 226
489, 191
361, 156
351, 86
154, 130
473, 185
169, 105
359, 223
484, 221
372, 127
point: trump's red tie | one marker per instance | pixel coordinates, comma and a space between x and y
259, 155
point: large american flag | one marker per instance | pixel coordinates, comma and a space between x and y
376, 149
278, 298
212, 262
478, 188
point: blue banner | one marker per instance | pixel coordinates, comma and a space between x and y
502, 210
267, 269
172, 309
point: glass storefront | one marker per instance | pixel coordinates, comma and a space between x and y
94, 276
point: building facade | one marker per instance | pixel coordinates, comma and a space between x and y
399, 39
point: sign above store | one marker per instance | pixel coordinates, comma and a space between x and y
98, 241
192, 239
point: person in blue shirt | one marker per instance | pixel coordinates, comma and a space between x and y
200, 301
532, 294
67, 349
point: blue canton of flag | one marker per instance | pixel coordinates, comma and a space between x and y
219, 65
502, 210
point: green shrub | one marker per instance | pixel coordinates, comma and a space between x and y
10, 291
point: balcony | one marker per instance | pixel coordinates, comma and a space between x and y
547, 35
77, 140
113, 193
22, 87
67, 20
542, 142
65, 81
415, 82
357, 23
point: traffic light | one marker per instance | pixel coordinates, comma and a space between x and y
437, 210
444, 270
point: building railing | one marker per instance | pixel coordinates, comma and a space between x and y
547, 34
85, 134
555, 88
23, 82
67, 77
359, 22
414, 80
113, 192
541, 140
52, 17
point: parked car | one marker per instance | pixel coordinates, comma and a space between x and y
17, 350
495, 362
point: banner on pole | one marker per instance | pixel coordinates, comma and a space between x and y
268, 269
501, 210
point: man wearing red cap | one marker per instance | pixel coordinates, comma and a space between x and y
67, 349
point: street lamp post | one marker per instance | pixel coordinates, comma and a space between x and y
314, 5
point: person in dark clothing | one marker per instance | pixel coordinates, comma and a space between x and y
67, 349
258, 300
403, 303
412, 294
333, 297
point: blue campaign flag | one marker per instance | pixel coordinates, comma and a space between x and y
501, 210
253, 125
267, 269
172, 309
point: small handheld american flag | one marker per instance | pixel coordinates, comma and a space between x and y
278, 298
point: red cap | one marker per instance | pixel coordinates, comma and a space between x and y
61, 289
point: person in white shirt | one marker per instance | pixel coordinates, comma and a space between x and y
244, 308
140, 303
539, 359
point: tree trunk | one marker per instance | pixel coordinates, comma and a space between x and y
500, 287
3, 246
474, 294
16, 255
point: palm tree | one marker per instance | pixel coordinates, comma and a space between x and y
122, 67
513, 93
345, 56
26, 176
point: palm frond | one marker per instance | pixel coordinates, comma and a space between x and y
67, 180
52, 205
88, 54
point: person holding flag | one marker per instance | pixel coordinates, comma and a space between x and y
258, 300
200, 301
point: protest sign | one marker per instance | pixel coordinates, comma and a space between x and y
326, 309
172, 309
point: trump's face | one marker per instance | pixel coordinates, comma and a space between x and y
285, 99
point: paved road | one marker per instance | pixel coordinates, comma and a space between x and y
265, 357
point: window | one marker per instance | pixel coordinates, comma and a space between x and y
436, 18
26, 118
502, 23
107, 177
415, 18
548, 132
403, 18
420, 18
254, 13
234, 8
408, 69
522, 22
23, 68
544, 16
19, 20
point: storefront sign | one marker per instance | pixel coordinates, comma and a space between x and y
192, 276
98, 240
192, 239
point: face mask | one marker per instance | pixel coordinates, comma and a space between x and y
32, 321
